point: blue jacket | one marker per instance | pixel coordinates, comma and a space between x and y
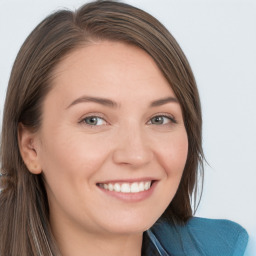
199, 237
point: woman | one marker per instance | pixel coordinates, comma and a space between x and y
101, 142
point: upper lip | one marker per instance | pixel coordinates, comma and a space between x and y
127, 180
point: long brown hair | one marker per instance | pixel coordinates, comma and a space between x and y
24, 225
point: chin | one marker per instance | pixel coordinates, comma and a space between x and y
131, 224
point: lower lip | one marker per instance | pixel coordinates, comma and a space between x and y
131, 197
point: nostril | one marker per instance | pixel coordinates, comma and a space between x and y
132, 156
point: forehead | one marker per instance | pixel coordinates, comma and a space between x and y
110, 66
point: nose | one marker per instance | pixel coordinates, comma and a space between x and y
132, 148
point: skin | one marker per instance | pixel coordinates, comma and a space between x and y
125, 142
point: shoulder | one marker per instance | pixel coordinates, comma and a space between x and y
201, 236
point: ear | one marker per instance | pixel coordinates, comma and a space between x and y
28, 145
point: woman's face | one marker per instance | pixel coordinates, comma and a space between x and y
112, 145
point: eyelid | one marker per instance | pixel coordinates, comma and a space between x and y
98, 115
169, 116
101, 116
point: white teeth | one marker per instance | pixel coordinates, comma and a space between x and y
141, 186
117, 187
125, 188
134, 187
147, 185
110, 187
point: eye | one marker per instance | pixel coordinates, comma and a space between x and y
94, 121
162, 120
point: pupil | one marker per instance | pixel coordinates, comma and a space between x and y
92, 120
158, 120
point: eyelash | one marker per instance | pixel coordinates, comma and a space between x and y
83, 121
170, 117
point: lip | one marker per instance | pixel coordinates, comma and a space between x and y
130, 197
128, 180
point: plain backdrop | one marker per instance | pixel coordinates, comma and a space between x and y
219, 39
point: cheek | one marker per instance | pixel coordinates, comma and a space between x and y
173, 154
68, 154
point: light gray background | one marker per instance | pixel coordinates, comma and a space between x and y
219, 39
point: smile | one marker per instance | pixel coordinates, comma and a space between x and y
134, 187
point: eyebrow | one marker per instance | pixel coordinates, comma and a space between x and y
101, 101
163, 101
112, 104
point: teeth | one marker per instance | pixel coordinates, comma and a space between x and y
125, 188
147, 185
110, 187
134, 187
141, 186
117, 187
